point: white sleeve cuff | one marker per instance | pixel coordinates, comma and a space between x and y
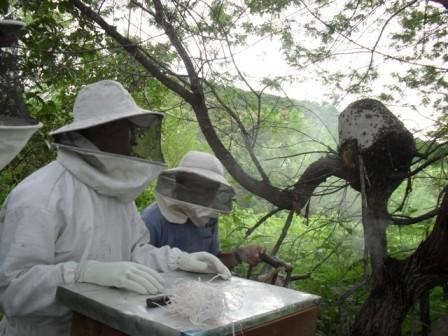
70, 272
173, 258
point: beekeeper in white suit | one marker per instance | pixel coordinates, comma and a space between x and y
75, 220
189, 200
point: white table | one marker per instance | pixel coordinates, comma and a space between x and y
264, 310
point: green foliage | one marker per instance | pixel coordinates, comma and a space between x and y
331, 250
285, 134
58, 58
4, 5
146, 198
412, 37
319, 246
267, 6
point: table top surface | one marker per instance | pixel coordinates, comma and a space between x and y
258, 303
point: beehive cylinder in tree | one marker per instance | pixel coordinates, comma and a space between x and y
368, 128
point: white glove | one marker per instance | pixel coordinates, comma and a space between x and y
123, 274
203, 262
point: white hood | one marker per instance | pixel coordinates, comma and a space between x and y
178, 212
109, 174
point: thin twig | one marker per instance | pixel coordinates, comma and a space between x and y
261, 221
283, 234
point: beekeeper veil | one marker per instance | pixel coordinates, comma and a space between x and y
16, 127
196, 189
118, 141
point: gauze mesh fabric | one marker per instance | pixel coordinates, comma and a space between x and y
16, 126
145, 143
195, 189
12, 106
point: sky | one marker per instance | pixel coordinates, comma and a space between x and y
262, 58
258, 61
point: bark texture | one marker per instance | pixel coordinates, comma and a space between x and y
405, 282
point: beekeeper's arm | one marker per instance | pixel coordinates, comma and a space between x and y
166, 258
28, 276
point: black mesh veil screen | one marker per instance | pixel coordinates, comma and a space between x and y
12, 106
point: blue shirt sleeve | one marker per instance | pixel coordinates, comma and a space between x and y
215, 247
152, 218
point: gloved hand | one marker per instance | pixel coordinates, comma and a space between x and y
203, 262
250, 254
123, 274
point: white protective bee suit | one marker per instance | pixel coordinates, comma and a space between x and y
78, 208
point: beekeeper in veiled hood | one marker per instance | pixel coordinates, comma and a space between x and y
75, 220
189, 199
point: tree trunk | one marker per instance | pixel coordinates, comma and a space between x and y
386, 307
404, 282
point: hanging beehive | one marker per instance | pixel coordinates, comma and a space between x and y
16, 127
369, 129
12, 107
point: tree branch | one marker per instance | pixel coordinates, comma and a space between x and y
171, 33
134, 50
399, 220
283, 233
260, 221
244, 132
